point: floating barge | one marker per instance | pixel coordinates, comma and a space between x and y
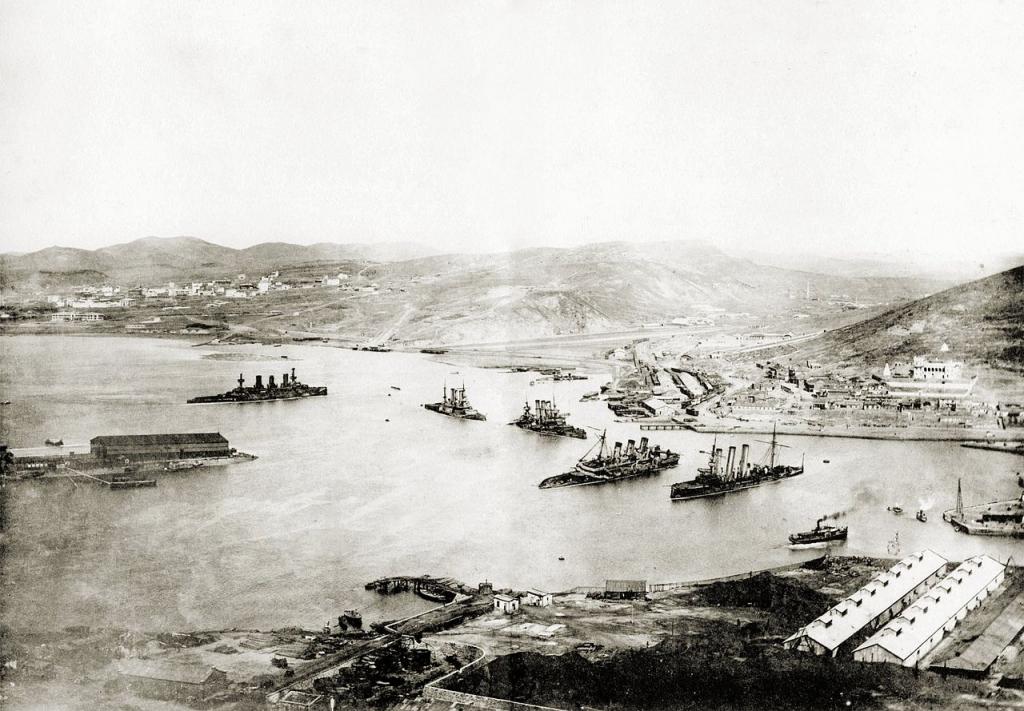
997, 518
615, 465
287, 389
546, 419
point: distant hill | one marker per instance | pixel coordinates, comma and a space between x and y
158, 259
549, 291
982, 323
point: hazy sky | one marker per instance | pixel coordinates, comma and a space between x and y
824, 126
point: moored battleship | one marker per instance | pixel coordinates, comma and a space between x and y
546, 419
614, 465
724, 477
287, 389
821, 533
455, 404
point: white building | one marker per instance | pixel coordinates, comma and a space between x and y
506, 603
62, 316
924, 369
537, 598
919, 628
91, 317
870, 607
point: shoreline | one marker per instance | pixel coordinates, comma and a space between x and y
901, 434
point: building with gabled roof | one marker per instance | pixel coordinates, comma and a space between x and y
172, 680
871, 606
920, 627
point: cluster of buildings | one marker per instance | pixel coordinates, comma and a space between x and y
902, 614
509, 603
923, 383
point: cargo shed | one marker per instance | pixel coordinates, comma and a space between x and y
160, 446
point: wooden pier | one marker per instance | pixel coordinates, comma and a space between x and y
648, 426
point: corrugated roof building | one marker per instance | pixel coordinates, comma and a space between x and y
172, 680
872, 606
160, 446
625, 588
919, 628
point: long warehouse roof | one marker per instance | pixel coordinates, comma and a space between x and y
851, 614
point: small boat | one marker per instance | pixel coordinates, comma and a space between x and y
561, 557
921, 516
895, 509
354, 618
824, 461
55, 442
435, 594
821, 533
395, 387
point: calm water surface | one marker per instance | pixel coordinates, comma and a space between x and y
365, 483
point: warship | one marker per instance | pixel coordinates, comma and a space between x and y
455, 405
821, 533
614, 465
546, 419
720, 477
287, 389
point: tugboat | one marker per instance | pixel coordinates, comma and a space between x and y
286, 390
54, 443
720, 477
545, 419
353, 618
921, 516
898, 510
455, 405
614, 465
821, 533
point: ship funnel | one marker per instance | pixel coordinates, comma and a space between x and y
294, 379
730, 461
718, 460
270, 383
259, 382
744, 458
630, 447
284, 380
617, 452
643, 443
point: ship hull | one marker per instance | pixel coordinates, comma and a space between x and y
581, 477
810, 538
440, 409
261, 396
567, 431
694, 490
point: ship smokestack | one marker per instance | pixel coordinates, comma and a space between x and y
294, 379
643, 444
259, 382
730, 461
536, 408
630, 447
718, 460
617, 452
284, 380
744, 458
270, 383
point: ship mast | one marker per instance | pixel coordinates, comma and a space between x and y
771, 465
959, 500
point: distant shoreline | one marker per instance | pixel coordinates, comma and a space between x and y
899, 434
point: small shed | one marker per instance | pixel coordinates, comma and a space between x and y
537, 598
506, 603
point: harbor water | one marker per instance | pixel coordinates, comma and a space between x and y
365, 483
